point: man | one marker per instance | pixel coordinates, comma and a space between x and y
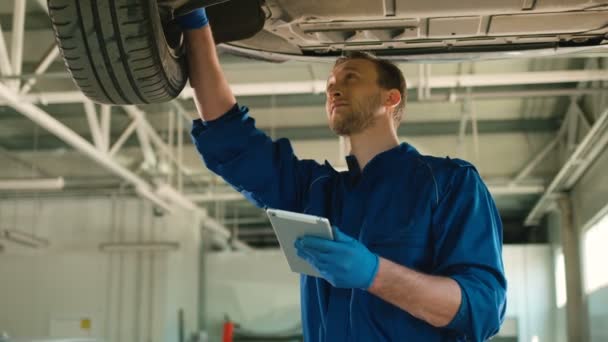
418, 239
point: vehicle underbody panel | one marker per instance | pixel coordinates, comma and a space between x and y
406, 27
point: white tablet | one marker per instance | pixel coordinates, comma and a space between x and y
288, 226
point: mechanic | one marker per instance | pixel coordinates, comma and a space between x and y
418, 239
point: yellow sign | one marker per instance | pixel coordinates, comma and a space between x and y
85, 324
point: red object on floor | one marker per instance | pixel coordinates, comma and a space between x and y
228, 332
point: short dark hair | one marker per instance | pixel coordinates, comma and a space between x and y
389, 77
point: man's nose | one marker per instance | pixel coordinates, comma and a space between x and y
335, 93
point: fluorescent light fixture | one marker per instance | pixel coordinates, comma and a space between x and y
24, 184
24, 239
152, 246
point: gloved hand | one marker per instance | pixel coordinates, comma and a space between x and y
345, 262
193, 20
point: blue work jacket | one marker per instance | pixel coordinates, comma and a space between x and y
433, 215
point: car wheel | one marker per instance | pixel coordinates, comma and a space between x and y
119, 51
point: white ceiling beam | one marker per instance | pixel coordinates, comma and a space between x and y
72, 96
535, 161
105, 123
517, 78
134, 112
598, 147
44, 64
57, 128
43, 5
180, 151
170, 141
18, 38
32, 184
123, 138
91, 113
142, 135
592, 143
450, 81
515, 190
6, 69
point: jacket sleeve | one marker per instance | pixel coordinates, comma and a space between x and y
468, 235
267, 173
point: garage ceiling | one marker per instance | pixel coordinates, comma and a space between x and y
518, 107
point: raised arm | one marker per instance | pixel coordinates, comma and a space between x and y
212, 94
266, 172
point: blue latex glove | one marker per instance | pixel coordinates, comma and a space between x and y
345, 262
193, 20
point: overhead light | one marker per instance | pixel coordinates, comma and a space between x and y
153, 246
24, 239
25, 184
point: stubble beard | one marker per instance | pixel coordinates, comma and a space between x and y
358, 118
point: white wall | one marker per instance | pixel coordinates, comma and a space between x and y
127, 297
258, 291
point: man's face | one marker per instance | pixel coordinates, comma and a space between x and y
353, 96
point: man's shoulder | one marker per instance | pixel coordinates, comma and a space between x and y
444, 164
444, 169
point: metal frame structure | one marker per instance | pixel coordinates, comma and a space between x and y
162, 195
577, 162
168, 194
578, 151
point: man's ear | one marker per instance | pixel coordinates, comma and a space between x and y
393, 98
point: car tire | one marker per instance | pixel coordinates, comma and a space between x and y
119, 51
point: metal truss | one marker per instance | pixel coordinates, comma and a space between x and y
581, 138
160, 192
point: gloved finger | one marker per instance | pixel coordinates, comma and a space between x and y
326, 261
317, 244
307, 255
340, 236
313, 261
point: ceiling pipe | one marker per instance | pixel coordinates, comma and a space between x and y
318, 86
34, 184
